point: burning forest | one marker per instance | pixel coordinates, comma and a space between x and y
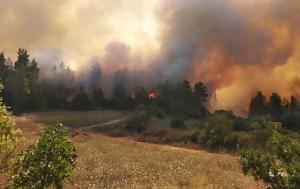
98, 90
235, 47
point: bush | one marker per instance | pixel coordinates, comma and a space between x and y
9, 136
155, 111
217, 132
46, 163
241, 124
177, 124
262, 131
280, 169
137, 123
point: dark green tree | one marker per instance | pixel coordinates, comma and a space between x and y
200, 91
94, 77
186, 89
293, 105
17, 87
21, 88
258, 105
81, 101
98, 97
141, 96
118, 96
5, 70
23, 59
275, 106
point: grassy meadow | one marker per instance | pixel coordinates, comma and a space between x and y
106, 162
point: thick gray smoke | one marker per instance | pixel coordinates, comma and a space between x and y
207, 39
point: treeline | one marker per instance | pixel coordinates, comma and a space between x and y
276, 109
25, 90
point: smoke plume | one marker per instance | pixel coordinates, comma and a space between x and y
235, 46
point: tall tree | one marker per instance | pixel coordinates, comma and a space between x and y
293, 105
186, 88
81, 101
23, 59
94, 77
258, 105
4, 69
275, 106
23, 84
141, 96
200, 91
118, 96
98, 97
36, 99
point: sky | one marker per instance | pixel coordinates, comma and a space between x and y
235, 46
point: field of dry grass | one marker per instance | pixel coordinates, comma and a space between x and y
105, 162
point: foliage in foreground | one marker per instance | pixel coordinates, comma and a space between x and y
46, 163
9, 137
279, 169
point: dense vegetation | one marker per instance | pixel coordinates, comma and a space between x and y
280, 168
46, 163
9, 137
25, 90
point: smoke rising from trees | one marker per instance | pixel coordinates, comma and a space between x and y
236, 47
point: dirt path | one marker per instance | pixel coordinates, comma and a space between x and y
105, 124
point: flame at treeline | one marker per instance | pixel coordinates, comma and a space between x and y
236, 47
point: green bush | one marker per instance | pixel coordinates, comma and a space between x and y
137, 123
262, 131
177, 124
279, 169
46, 163
217, 133
9, 136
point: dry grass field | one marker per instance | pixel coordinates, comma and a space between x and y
105, 162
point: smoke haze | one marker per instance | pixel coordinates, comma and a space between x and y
236, 46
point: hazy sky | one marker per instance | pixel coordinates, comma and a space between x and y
76, 30
236, 46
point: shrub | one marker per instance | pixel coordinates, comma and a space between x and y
137, 123
280, 169
155, 111
217, 132
177, 124
262, 131
241, 124
46, 163
9, 136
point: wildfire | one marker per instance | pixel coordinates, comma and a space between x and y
152, 95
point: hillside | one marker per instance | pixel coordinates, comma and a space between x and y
105, 162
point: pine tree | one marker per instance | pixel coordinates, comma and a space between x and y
258, 106
200, 91
275, 106
293, 105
